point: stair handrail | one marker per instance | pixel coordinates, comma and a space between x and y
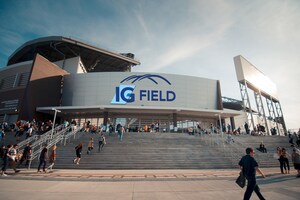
56, 138
37, 137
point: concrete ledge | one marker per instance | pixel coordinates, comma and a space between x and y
127, 175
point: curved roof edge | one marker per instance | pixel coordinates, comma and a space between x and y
76, 42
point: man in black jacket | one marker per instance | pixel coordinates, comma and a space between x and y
43, 159
249, 167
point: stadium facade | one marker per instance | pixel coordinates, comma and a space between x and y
87, 83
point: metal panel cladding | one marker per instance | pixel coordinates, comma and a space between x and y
139, 89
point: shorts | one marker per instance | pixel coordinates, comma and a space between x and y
78, 155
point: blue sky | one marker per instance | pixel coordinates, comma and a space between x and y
189, 37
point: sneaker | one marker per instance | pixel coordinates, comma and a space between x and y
77, 163
17, 171
3, 174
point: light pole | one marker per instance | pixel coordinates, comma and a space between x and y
55, 112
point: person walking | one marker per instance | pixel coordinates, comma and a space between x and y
12, 157
102, 142
90, 146
121, 131
43, 159
280, 158
78, 150
4, 157
27, 152
2, 134
285, 160
52, 157
296, 160
249, 167
29, 131
111, 128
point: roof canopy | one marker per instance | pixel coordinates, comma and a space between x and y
135, 111
57, 48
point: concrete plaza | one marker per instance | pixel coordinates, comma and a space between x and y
143, 185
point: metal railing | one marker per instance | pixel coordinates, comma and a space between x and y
34, 138
224, 144
60, 134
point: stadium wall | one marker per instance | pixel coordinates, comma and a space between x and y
160, 90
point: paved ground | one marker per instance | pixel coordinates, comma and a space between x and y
142, 185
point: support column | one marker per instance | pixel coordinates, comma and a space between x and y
280, 117
261, 110
232, 123
105, 118
246, 104
168, 127
139, 124
174, 120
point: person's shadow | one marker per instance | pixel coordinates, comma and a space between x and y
275, 178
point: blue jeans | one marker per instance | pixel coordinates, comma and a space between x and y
4, 164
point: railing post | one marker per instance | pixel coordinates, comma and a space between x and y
65, 140
29, 165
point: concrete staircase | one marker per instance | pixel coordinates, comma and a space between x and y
166, 151
237, 149
143, 151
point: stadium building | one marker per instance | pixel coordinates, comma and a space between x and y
75, 80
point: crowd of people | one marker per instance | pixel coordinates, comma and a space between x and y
11, 158
249, 167
283, 158
90, 145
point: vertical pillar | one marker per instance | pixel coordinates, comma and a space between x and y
220, 124
105, 118
159, 124
174, 120
168, 126
232, 123
193, 126
5, 118
139, 123
246, 103
261, 110
280, 117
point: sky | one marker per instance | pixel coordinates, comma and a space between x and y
187, 37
